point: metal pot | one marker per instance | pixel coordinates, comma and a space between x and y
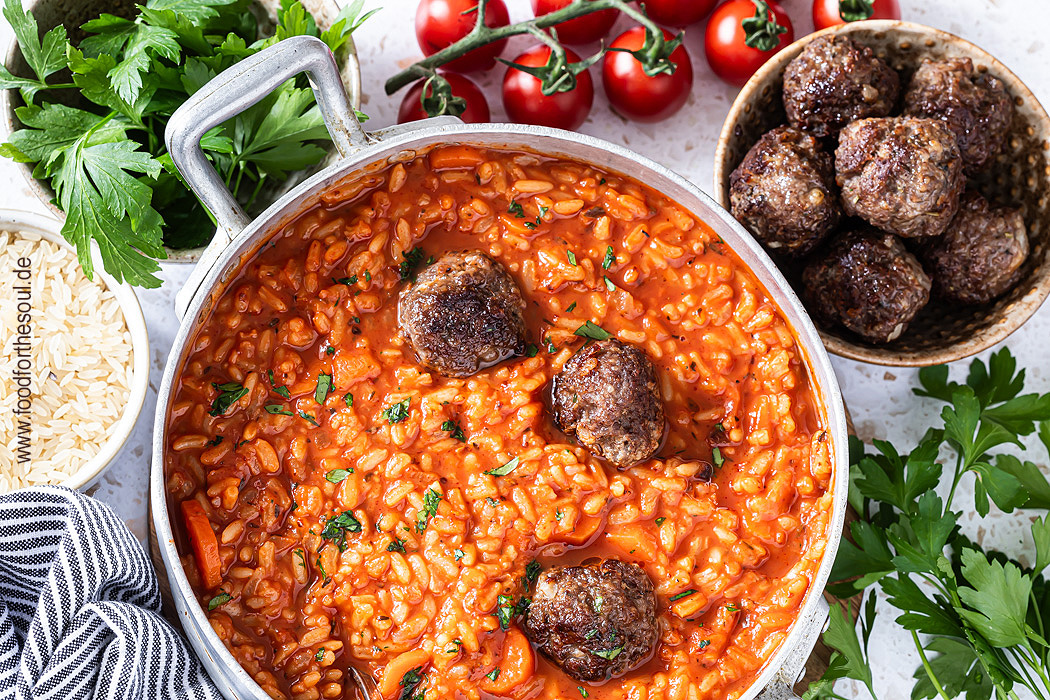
240, 237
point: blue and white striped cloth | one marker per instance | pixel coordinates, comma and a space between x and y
80, 607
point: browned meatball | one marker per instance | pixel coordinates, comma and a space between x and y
784, 192
975, 106
463, 313
903, 175
607, 397
595, 621
980, 256
835, 81
867, 282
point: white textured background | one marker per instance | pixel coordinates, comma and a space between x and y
1016, 31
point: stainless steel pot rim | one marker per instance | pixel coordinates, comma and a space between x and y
403, 142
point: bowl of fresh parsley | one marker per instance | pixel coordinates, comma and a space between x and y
87, 102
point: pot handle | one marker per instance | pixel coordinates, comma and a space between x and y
228, 94
794, 666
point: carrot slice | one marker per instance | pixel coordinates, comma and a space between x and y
205, 545
391, 685
455, 157
516, 665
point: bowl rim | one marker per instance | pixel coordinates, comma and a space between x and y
1015, 315
349, 71
48, 228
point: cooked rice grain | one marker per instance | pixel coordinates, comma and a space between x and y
81, 355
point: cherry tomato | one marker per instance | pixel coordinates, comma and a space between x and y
526, 104
582, 30
826, 12
677, 13
442, 22
636, 95
477, 111
729, 57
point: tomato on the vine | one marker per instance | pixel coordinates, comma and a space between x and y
677, 13
582, 30
442, 22
744, 34
641, 97
525, 102
829, 13
476, 110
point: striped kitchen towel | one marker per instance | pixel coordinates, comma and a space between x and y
80, 607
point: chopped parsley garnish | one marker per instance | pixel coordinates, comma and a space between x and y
544, 210
409, 681
458, 554
571, 256
324, 385
704, 643
324, 575
348, 399
504, 610
431, 501
397, 412
220, 599
280, 390
591, 635
214, 441
337, 475
329, 350
609, 284
456, 432
337, 526
593, 331
530, 225
516, 209
505, 469
609, 258
228, 394
398, 545
660, 521
572, 306
319, 656
532, 572
683, 594
583, 691
493, 674
352, 279
608, 654
551, 347
368, 276
277, 409
309, 419
717, 458
412, 260
531, 350
732, 608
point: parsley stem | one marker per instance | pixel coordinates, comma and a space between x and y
955, 482
926, 665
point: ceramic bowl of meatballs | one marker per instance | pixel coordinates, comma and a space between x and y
499, 424
899, 176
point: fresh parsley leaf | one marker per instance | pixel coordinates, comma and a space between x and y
324, 386
504, 469
997, 599
716, 457
309, 418
493, 674
348, 399
277, 409
516, 209
593, 331
571, 257
229, 393
458, 554
409, 682
841, 635
346, 22
609, 284
456, 432
660, 521
337, 526
45, 56
683, 594
431, 501
532, 572
608, 654
504, 610
572, 307
531, 350
412, 260
609, 258
395, 413
398, 545
220, 599
337, 475
280, 390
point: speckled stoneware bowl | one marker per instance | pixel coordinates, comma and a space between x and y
1019, 178
74, 13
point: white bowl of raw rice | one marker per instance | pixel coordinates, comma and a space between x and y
74, 362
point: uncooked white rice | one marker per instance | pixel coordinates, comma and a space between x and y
81, 355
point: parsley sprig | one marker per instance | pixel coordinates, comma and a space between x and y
105, 158
977, 618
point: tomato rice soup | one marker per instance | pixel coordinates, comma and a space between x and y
338, 506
